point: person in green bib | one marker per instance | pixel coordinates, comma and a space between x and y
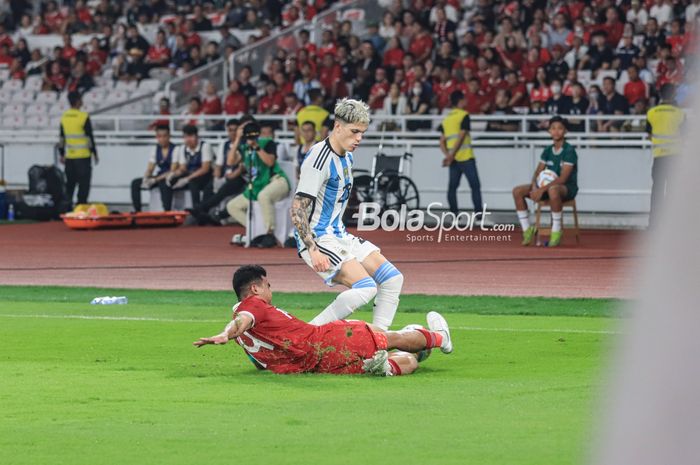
268, 182
561, 158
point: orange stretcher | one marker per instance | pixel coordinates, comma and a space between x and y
124, 220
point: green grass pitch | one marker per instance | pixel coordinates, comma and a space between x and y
82, 384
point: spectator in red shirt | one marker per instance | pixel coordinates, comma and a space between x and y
635, 88
54, 79
379, 90
159, 53
327, 43
192, 39
163, 109
17, 70
613, 27
421, 43
330, 76
672, 73
53, 16
68, 51
83, 12
211, 104
5, 38
283, 85
194, 110
272, 102
495, 80
305, 42
292, 105
5, 57
677, 39
443, 87
235, 102
518, 90
393, 55
541, 91
532, 62
477, 100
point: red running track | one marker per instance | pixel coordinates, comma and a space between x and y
201, 258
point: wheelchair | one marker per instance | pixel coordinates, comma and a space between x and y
385, 184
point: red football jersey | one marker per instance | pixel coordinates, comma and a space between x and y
278, 341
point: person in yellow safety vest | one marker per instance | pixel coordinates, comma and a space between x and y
315, 113
664, 124
76, 147
456, 145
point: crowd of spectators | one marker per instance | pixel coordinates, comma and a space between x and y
539, 57
529, 56
128, 40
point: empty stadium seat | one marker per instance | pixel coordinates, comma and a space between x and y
5, 95
4, 74
37, 108
13, 109
149, 85
47, 96
37, 122
116, 96
33, 83
13, 121
59, 107
13, 85
23, 96
94, 95
128, 86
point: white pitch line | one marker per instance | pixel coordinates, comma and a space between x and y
174, 320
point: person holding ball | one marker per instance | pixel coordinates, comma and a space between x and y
554, 180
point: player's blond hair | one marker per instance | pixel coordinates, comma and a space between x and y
350, 111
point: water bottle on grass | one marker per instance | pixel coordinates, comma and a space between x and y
110, 300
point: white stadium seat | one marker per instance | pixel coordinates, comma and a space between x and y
58, 108
4, 74
13, 109
128, 86
149, 85
13, 122
47, 96
23, 96
33, 83
54, 122
37, 108
13, 84
94, 95
37, 122
5, 95
116, 96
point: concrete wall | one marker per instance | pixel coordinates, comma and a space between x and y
610, 179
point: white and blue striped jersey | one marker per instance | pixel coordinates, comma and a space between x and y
326, 179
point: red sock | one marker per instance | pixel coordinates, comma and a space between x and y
432, 339
395, 368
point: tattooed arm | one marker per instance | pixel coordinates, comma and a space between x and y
301, 208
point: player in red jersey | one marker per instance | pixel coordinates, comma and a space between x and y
281, 343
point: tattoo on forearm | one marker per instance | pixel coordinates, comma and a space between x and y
301, 207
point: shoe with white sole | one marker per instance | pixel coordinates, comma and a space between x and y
423, 354
437, 323
378, 365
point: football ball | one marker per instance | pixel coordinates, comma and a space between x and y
545, 177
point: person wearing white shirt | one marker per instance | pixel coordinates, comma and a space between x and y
192, 166
661, 10
637, 16
228, 178
691, 11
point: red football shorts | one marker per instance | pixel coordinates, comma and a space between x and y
343, 345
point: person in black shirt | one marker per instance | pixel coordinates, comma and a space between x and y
611, 103
653, 38
626, 52
578, 106
557, 68
502, 108
136, 40
201, 22
159, 164
599, 55
557, 104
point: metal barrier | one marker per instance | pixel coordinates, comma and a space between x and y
120, 128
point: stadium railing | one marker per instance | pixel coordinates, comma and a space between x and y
135, 126
181, 89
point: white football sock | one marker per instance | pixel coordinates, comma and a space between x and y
556, 221
346, 302
524, 218
390, 282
